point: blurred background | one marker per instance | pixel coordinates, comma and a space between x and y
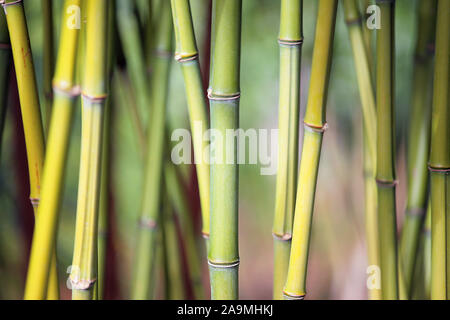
337, 267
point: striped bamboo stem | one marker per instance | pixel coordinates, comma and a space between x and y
187, 55
418, 143
31, 116
85, 257
364, 76
5, 67
439, 163
224, 94
314, 127
48, 52
386, 182
290, 41
143, 277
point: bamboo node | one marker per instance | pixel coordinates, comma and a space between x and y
224, 265
439, 170
205, 235
35, 202
228, 97
71, 92
386, 184
84, 284
291, 296
289, 42
185, 57
147, 223
314, 128
94, 98
282, 237
6, 4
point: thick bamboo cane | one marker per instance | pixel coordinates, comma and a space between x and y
143, 278
187, 55
314, 127
290, 42
364, 76
439, 164
31, 115
224, 94
85, 258
418, 143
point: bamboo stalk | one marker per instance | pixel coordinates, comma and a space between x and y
180, 203
85, 257
146, 243
224, 94
290, 41
439, 164
31, 116
48, 52
314, 127
386, 152
363, 72
134, 53
187, 55
418, 144
5, 67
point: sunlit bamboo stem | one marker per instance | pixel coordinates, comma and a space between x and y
48, 52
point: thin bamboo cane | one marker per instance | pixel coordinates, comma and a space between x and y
48, 52
367, 34
5, 67
314, 127
187, 55
439, 164
31, 116
224, 94
290, 41
363, 72
386, 152
44, 237
85, 258
143, 276
179, 201
134, 53
419, 143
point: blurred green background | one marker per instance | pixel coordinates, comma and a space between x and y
337, 268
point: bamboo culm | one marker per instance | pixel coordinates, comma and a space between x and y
144, 275
224, 94
314, 127
290, 41
439, 163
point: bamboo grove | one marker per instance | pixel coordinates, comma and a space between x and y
148, 64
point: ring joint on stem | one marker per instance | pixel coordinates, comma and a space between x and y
70, 92
315, 128
82, 284
386, 184
282, 237
438, 169
291, 296
180, 57
224, 265
223, 97
94, 98
7, 4
35, 202
290, 42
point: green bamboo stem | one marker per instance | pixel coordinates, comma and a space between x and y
439, 164
146, 249
134, 53
5, 67
367, 35
363, 72
48, 52
419, 142
224, 94
180, 202
290, 42
44, 237
187, 55
386, 183
30, 109
175, 283
314, 127
94, 92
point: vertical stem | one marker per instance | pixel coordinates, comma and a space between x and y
439, 164
5, 67
364, 76
187, 55
290, 42
31, 115
48, 52
143, 279
223, 94
386, 152
94, 92
419, 142
314, 127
